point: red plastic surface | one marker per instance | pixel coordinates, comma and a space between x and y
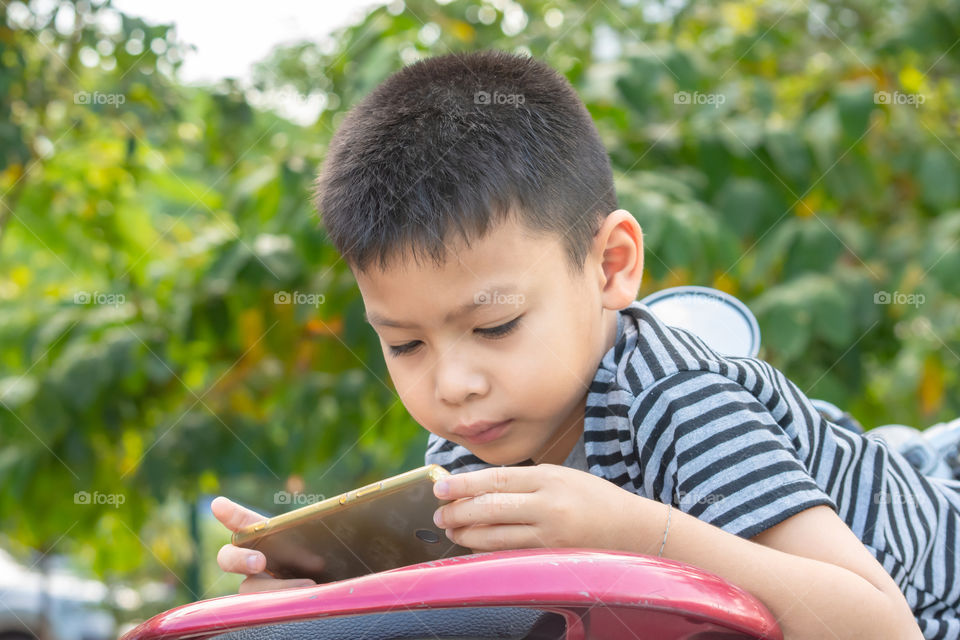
614, 595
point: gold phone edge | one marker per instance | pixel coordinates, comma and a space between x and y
286, 520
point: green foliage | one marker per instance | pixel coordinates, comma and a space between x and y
147, 228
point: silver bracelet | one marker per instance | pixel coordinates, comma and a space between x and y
669, 507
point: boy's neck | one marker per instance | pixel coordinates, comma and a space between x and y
560, 449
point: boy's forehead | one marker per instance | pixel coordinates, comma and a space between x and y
455, 289
494, 294
508, 248
508, 261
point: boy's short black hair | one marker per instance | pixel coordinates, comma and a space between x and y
456, 143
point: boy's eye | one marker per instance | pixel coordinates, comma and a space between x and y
500, 330
402, 349
491, 332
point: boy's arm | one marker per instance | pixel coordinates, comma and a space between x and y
810, 571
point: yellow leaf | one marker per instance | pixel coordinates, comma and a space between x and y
89, 211
57, 291
724, 282
739, 16
677, 276
195, 374
97, 177
163, 551
931, 386
180, 233
462, 31
911, 79
209, 483
808, 206
250, 324
21, 276
242, 403
330, 327
10, 175
132, 443
913, 275
768, 67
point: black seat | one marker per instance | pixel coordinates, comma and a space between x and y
474, 623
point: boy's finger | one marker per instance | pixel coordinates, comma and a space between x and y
492, 480
232, 515
233, 559
263, 582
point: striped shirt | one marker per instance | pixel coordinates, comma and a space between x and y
733, 442
578, 457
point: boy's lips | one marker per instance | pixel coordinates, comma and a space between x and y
480, 431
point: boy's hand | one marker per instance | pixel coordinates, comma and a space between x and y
247, 562
531, 507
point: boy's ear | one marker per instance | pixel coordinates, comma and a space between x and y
619, 244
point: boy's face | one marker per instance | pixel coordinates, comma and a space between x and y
524, 347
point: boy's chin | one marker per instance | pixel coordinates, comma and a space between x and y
506, 459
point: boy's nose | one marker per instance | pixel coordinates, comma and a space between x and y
457, 383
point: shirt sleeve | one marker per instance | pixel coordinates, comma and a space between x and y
714, 451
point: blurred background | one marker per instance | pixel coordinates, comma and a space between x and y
175, 326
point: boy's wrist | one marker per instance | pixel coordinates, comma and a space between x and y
640, 525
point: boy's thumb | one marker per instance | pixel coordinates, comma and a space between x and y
232, 515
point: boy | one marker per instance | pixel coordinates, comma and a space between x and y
473, 200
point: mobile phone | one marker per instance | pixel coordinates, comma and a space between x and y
380, 526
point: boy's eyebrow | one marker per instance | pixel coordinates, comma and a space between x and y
462, 310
